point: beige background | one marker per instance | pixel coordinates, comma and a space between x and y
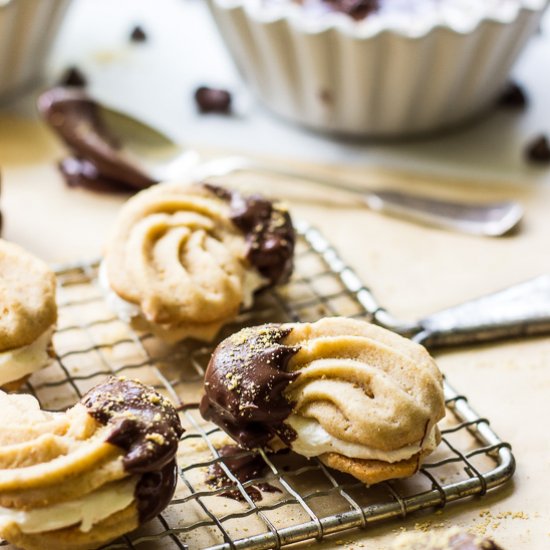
413, 271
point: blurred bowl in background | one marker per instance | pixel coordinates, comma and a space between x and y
28, 29
338, 75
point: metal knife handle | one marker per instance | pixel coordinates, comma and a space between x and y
492, 219
523, 309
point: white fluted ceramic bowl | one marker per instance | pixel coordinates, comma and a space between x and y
27, 31
337, 75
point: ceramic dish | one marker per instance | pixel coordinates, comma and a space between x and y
27, 31
378, 76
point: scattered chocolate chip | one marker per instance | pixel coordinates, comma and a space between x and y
138, 34
538, 150
213, 100
358, 9
326, 97
73, 78
513, 97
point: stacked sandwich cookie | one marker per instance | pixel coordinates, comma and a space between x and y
28, 314
185, 258
361, 398
78, 479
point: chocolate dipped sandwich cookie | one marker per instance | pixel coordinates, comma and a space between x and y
29, 314
78, 479
184, 259
364, 400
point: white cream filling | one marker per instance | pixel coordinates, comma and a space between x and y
124, 309
252, 282
17, 363
86, 511
313, 440
127, 310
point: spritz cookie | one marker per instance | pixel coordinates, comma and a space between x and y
29, 314
184, 259
78, 479
364, 400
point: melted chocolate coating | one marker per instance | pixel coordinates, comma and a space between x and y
244, 467
75, 117
269, 233
244, 386
80, 172
155, 490
142, 422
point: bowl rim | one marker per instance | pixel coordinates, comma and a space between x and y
292, 14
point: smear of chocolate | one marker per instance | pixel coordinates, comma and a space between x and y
213, 100
76, 118
80, 172
155, 490
73, 78
245, 467
269, 233
513, 97
538, 151
141, 421
138, 34
244, 386
358, 9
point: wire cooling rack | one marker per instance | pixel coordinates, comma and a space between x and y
305, 500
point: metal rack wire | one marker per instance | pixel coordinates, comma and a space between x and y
307, 500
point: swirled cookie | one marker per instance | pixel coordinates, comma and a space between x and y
185, 258
28, 314
78, 479
361, 398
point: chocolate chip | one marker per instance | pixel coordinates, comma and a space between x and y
538, 150
138, 34
358, 9
513, 97
73, 78
213, 100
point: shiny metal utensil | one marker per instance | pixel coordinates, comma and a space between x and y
163, 159
488, 219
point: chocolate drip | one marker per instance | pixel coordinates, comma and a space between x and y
269, 233
244, 386
245, 467
142, 422
76, 119
155, 490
